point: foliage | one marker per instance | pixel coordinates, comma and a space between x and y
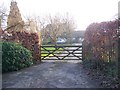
20, 32
28, 40
100, 48
15, 57
100, 41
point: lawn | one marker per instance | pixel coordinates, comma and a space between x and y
50, 49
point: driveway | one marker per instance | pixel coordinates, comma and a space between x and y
50, 75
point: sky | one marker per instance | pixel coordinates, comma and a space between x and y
84, 12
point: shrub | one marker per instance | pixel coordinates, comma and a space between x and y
100, 49
15, 57
31, 41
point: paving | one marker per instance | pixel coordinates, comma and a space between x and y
50, 75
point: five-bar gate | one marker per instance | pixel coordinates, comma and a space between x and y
61, 52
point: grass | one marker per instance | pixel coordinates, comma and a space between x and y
51, 49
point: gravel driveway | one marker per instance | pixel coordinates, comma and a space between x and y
50, 75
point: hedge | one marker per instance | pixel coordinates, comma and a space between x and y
15, 57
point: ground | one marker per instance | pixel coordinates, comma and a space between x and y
50, 75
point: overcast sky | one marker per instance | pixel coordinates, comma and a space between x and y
84, 12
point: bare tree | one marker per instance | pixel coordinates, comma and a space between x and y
2, 15
68, 27
57, 26
33, 25
53, 27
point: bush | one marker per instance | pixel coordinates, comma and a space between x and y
15, 57
31, 41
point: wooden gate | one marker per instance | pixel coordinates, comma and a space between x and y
61, 52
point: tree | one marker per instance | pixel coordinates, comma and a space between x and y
102, 37
14, 20
16, 31
56, 27
31, 26
2, 15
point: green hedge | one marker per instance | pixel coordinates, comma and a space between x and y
15, 57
